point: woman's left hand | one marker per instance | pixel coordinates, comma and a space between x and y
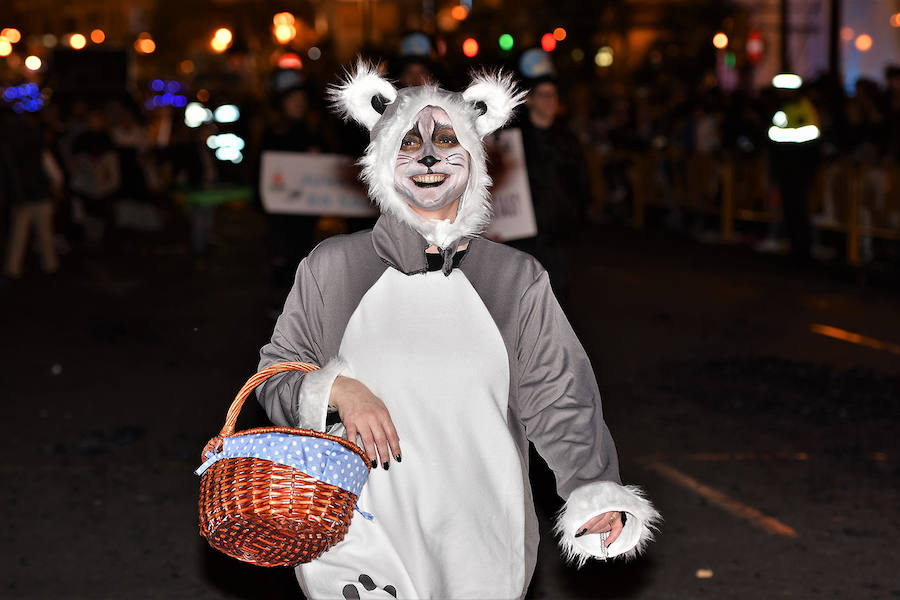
607, 522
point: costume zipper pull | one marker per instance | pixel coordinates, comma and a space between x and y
448, 253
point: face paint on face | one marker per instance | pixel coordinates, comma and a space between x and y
432, 168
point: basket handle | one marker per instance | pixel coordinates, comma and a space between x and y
215, 444
231, 418
238, 403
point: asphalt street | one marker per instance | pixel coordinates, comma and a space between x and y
757, 403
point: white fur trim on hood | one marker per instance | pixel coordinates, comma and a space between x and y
486, 105
500, 96
593, 499
315, 391
353, 97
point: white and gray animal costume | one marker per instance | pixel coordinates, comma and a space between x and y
472, 360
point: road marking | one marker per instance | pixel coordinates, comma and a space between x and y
854, 338
742, 511
750, 456
727, 456
877, 456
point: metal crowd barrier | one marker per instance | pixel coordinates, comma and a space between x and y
861, 201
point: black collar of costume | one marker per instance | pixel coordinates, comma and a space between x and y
403, 248
436, 261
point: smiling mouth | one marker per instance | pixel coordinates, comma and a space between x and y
428, 179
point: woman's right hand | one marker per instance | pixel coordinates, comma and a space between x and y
364, 414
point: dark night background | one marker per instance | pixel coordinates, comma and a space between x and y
739, 301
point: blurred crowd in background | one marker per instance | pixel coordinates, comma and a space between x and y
79, 169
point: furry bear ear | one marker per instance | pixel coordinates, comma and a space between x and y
494, 96
363, 95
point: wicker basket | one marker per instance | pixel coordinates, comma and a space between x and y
267, 513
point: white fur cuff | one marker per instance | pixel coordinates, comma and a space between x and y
315, 391
593, 499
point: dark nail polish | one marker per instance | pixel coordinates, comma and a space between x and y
385, 464
399, 459
581, 533
374, 464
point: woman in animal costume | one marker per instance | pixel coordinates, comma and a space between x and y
444, 353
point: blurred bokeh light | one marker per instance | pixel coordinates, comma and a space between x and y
77, 41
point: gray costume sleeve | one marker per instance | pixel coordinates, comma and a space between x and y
297, 337
559, 404
558, 398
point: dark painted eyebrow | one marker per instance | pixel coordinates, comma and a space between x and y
414, 130
438, 126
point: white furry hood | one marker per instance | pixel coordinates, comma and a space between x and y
388, 114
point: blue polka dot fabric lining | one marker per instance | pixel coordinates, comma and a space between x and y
323, 459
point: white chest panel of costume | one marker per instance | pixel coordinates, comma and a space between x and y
449, 519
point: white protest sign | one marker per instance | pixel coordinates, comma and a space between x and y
510, 194
312, 184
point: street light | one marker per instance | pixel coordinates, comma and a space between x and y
470, 47
787, 81
283, 27
224, 34
77, 41
11, 34
864, 42
604, 57
284, 33
221, 40
548, 42
283, 18
145, 44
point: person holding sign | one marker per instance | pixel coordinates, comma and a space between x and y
290, 236
443, 354
558, 180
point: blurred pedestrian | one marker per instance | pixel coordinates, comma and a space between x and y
414, 64
130, 137
30, 180
558, 180
290, 236
414, 70
892, 75
194, 166
795, 155
95, 177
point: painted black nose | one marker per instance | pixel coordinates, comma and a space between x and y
429, 161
